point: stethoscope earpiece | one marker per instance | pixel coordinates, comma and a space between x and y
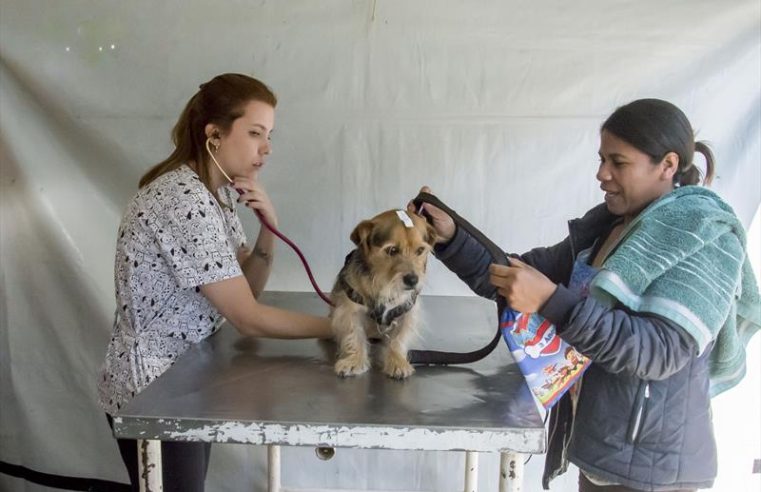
271, 227
211, 154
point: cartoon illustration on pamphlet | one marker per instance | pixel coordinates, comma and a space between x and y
549, 364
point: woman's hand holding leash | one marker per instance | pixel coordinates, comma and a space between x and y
442, 222
254, 196
525, 288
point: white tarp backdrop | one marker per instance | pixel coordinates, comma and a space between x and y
495, 104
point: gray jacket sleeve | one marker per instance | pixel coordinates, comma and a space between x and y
618, 340
467, 258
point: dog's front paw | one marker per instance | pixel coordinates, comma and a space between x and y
351, 366
397, 367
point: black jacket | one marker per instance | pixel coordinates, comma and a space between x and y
643, 418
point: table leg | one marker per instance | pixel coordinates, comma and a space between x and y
149, 465
510, 472
273, 467
471, 471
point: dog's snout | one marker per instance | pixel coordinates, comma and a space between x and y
410, 280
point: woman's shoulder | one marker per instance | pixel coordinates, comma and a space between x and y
692, 198
691, 217
182, 180
174, 193
692, 206
171, 188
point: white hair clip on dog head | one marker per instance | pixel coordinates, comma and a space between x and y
405, 218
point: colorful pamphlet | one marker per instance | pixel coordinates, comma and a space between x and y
548, 363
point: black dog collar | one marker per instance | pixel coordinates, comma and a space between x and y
377, 312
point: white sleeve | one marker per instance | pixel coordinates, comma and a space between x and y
192, 237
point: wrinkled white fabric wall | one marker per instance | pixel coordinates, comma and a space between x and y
495, 104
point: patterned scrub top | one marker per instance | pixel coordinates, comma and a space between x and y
173, 238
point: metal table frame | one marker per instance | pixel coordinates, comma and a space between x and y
216, 392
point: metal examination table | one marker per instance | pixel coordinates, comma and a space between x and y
233, 389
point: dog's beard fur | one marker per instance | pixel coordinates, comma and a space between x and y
377, 284
353, 324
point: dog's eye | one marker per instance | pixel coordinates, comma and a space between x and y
392, 251
420, 250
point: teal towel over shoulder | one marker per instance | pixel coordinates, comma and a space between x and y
684, 258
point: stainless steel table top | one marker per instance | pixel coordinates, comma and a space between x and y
235, 389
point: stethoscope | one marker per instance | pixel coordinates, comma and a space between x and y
273, 230
431, 357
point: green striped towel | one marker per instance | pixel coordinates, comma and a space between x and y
684, 258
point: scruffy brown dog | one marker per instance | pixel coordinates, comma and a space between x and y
376, 290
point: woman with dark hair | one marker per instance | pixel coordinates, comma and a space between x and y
183, 262
671, 302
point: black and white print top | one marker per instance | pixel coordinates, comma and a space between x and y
173, 238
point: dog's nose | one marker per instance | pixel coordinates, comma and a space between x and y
410, 280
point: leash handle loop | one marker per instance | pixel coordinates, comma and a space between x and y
496, 252
435, 357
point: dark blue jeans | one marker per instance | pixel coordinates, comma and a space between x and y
184, 464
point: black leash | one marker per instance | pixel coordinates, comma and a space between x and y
435, 357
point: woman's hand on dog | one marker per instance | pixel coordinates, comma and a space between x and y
443, 223
525, 288
255, 197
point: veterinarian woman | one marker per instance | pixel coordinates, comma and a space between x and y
670, 283
182, 261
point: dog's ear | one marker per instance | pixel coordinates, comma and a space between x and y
430, 235
361, 233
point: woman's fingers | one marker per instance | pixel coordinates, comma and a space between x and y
525, 288
253, 195
411, 205
440, 220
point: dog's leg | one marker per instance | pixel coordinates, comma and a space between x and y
395, 363
348, 326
